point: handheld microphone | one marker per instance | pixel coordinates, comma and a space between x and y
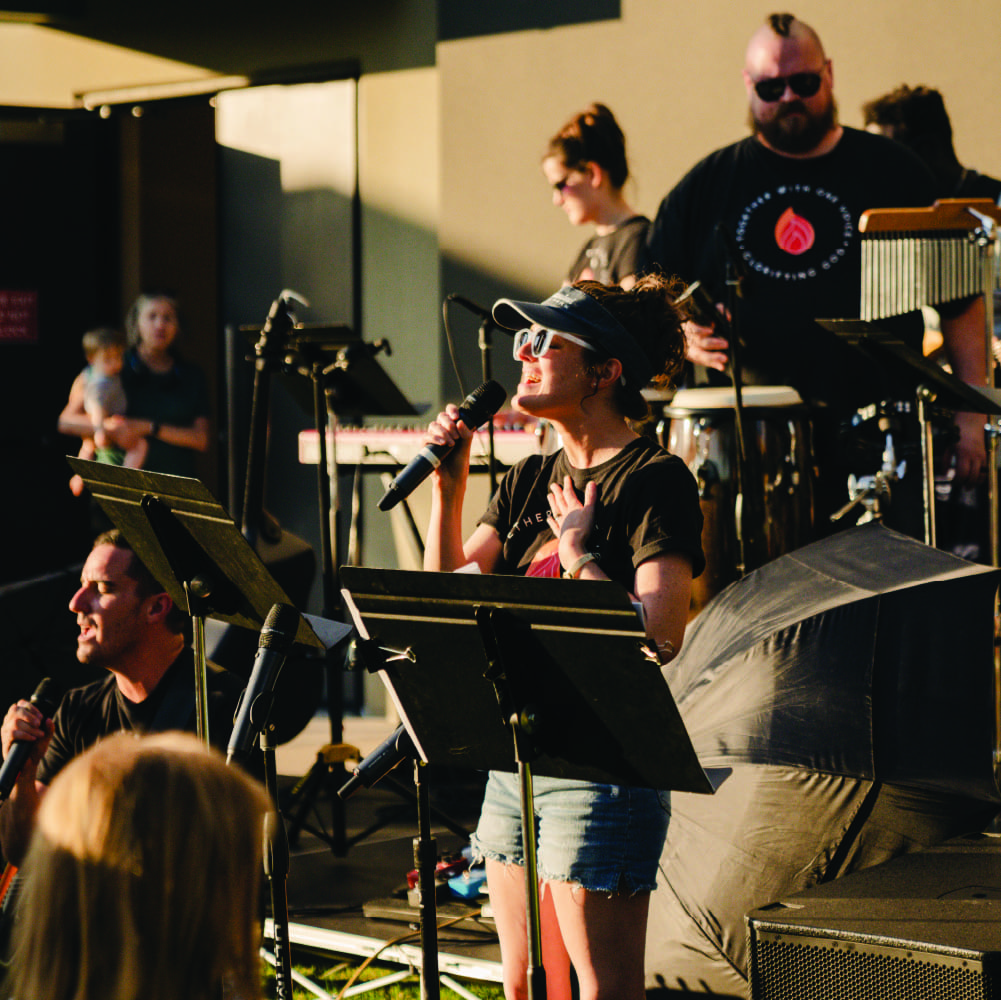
277, 637
472, 307
478, 407
45, 701
393, 750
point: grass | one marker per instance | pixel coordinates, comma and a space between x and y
333, 976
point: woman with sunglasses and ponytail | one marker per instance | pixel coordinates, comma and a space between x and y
610, 505
586, 166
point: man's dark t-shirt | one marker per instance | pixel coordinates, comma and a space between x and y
86, 714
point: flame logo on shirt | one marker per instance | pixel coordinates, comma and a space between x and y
793, 233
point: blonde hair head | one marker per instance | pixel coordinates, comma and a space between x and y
143, 877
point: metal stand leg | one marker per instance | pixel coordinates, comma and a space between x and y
425, 859
195, 590
523, 722
276, 868
993, 437
535, 971
925, 398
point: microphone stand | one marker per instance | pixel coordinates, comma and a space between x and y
275, 840
734, 290
276, 869
268, 357
485, 343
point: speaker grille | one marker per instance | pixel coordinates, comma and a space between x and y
788, 966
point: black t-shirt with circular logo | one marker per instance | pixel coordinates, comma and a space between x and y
790, 229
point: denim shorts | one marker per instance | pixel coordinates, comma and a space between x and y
605, 838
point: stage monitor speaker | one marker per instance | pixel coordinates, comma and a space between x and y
925, 926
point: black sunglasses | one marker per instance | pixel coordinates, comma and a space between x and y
801, 84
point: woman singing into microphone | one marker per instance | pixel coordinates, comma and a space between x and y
610, 505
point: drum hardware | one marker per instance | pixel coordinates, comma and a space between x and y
875, 492
917, 257
708, 479
871, 492
925, 256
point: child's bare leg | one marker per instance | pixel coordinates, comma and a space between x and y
135, 456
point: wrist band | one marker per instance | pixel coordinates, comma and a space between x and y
573, 571
154, 429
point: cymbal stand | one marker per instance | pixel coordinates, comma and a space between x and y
988, 240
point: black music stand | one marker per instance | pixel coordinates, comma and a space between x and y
527, 675
190, 544
192, 547
931, 384
347, 383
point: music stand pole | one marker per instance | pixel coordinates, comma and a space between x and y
201, 660
425, 858
346, 381
329, 500
493, 625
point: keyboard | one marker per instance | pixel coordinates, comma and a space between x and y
389, 448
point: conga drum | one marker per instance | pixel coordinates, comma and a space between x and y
777, 494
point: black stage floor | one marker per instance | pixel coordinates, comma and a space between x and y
355, 904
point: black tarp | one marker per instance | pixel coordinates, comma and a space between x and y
842, 699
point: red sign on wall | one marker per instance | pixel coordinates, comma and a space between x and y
18, 317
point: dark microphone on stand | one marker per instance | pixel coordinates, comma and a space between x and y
472, 307
478, 407
277, 637
700, 304
44, 700
393, 750
734, 260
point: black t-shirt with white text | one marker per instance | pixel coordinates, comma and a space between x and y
793, 229
648, 505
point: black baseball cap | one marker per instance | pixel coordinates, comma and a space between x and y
576, 312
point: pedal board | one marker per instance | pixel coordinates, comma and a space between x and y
469, 917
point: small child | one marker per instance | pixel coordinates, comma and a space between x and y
104, 349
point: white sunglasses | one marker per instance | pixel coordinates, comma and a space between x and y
538, 341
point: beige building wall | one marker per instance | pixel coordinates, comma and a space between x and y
671, 73
399, 156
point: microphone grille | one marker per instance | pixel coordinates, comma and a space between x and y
45, 697
484, 401
280, 626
